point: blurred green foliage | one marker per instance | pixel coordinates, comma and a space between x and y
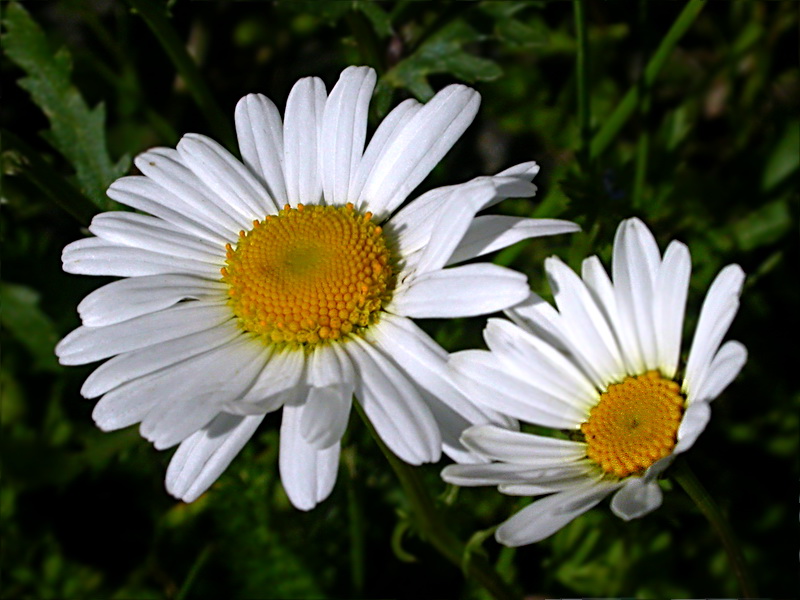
710, 155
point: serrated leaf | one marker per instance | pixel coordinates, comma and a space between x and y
511, 30
443, 52
76, 131
22, 317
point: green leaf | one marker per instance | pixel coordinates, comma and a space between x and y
510, 29
399, 532
475, 545
443, 52
589, 557
23, 318
76, 131
784, 160
379, 18
763, 226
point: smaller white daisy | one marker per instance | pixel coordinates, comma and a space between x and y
604, 367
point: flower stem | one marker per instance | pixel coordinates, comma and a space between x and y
695, 490
432, 524
582, 78
628, 105
643, 144
153, 15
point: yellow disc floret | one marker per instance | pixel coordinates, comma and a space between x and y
634, 424
309, 274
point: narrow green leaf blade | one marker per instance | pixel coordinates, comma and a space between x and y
23, 319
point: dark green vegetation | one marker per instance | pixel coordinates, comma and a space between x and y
683, 114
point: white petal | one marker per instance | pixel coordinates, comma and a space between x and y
426, 362
93, 256
326, 411
187, 394
515, 182
636, 261
532, 360
537, 489
694, 421
393, 405
498, 443
301, 133
546, 516
590, 337
719, 309
414, 223
540, 319
389, 128
155, 235
128, 298
307, 474
671, 287
602, 290
344, 129
452, 424
165, 167
116, 411
132, 365
226, 177
280, 381
495, 232
486, 474
449, 227
485, 380
260, 133
142, 193
553, 479
202, 457
723, 369
194, 392
417, 148
465, 291
88, 344
324, 416
636, 498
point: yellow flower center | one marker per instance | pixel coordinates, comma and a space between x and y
634, 424
309, 274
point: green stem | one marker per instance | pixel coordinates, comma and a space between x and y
643, 144
153, 15
626, 108
695, 490
199, 563
433, 527
582, 78
356, 525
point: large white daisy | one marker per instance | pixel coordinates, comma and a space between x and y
289, 280
605, 368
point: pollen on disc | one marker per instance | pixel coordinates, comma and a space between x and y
634, 424
309, 274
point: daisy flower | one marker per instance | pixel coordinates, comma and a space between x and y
605, 368
291, 280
